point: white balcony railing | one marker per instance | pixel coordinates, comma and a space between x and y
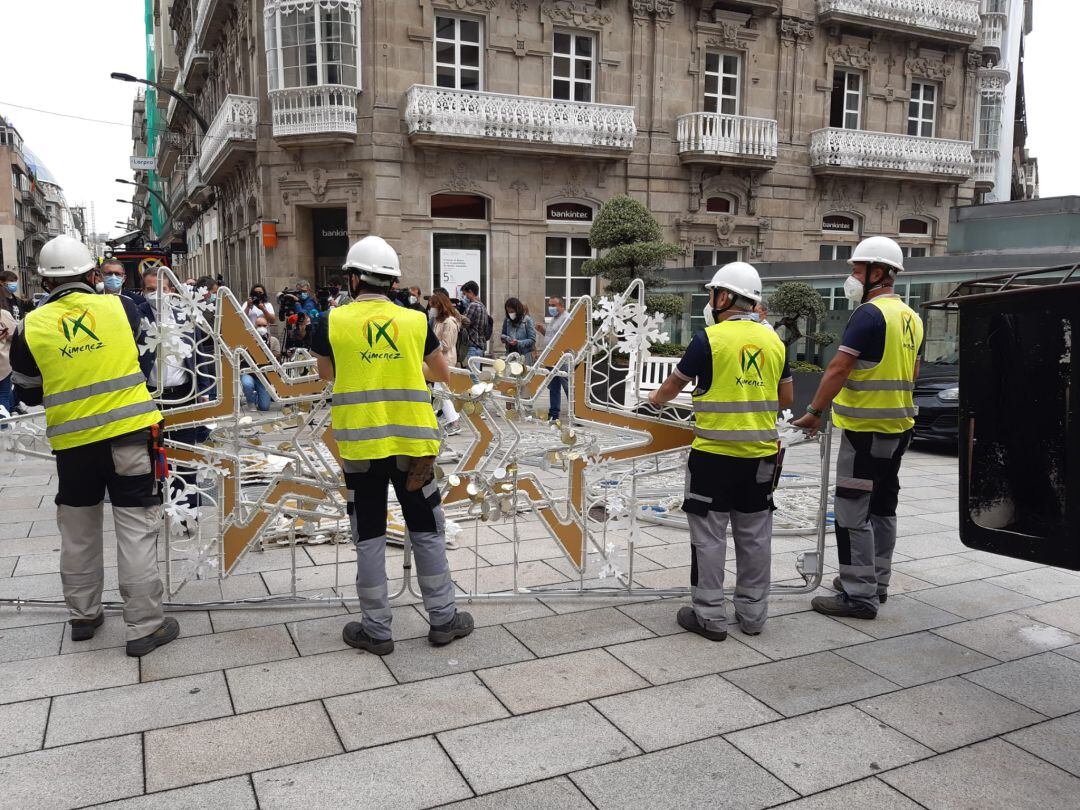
315, 110
993, 30
194, 177
236, 120
859, 149
501, 117
959, 17
734, 135
985, 166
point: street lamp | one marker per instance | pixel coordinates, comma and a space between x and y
144, 208
180, 98
160, 199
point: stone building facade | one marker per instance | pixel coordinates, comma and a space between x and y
480, 136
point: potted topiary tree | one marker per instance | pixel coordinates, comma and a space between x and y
795, 302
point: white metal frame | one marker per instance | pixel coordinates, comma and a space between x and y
567, 276
850, 95
720, 73
274, 10
573, 59
922, 109
457, 42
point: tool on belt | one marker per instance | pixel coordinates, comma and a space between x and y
780, 451
158, 456
421, 470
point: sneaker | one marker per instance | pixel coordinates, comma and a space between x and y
169, 630
453, 428
838, 586
21, 408
840, 605
458, 627
688, 620
83, 629
353, 635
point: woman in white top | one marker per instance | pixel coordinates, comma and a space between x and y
258, 305
446, 323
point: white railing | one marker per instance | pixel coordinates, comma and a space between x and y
959, 17
985, 165
194, 177
859, 149
501, 117
201, 16
993, 30
236, 120
649, 376
167, 138
313, 110
717, 134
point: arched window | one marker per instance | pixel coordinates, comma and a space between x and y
459, 206
311, 44
838, 223
912, 226
719, 205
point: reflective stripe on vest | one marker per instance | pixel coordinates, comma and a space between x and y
737, 415
877, 397
93, 388
381, 405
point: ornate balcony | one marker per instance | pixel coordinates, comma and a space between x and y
232, 134
467, 119
993, 31
952, 21
314, 115
210, 22
198, 191
194, 69
985, 168
165, 73
167, 149
882, 154
735, 140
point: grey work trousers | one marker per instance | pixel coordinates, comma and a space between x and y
366, 483
122, 466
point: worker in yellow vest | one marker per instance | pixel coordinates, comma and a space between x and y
742, 381
869, 383
76, 355
380, 356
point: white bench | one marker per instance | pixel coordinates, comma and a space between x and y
650, 375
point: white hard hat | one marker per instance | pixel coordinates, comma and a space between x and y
879, 250
63, 257
376, 261
739, 278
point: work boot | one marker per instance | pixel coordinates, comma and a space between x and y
838, 586
688, 620
458, 627
169, 630
354, 636
840, 605
83, 629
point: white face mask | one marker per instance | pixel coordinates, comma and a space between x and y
432, 312
710, 319
99, 287
853, 289
261, 330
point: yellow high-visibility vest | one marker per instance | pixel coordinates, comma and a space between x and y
93, 388
877, 397
381, 405
737, 415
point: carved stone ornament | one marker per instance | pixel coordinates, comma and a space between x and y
519, 7
461, 179
852, 56
467, 5
566, 12
795, 29
927, 68
728, 38
661, 9
974, 61
724, 226
319, 185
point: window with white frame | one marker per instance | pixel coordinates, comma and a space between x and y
989, 122
847, 92
458, 53
722, 84
564, 257
312, 44
914, 251
922, 109
572, 66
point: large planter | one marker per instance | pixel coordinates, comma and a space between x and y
806, 385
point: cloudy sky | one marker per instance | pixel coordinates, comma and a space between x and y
56, 56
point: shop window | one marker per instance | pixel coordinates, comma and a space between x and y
459, 206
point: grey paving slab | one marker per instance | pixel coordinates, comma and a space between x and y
9, 530
416, 659
1056, 741
22, 546
799, 685
991, 775
22, 726
218, 651
558, 680
510, 752
864, 793
497, 611
497, 578
73, 776
559, 792
1048, 683
138, 707
676, 713
272, 559
38, 586
973, 600
314, 636
710, 773
685, 655
29, 616
410, 774
658, 615
1009, 564
947, 570
58, 675
577, 631
113, 633
1007, 636
381, 716
7, 566
931, 541
1044, 584
233, 794
527, 551
917, 658
1072, 652
802, 633
239, 619
902, 615
49, 562
229, 746
948, 714
279, 683
313, 578
795, 750
575, 604
664, 578
1064, 614
36, 641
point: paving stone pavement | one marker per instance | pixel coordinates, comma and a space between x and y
964, 693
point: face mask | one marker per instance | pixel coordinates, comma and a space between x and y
261, 330
710, 318
11, 286
512, 316
113, 283
412, 300
99, 287
853, 289
303, 296
432, 312
213, 297
552, 311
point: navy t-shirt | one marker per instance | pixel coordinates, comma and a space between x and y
696, 363
864, 335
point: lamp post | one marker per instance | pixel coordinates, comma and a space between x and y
134, 204
180, 98
158, 197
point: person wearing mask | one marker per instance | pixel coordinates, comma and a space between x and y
869, 384
113, 276
338, 294
447, 324
480, 323
7, 332
558, 385
518, 331
76, 355
254, 391
9, 295
762, 312
258, 305
378, 356
742, 381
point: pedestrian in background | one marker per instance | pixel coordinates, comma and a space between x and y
518, 330
9, 295
448, 325
258, 305
480, 322
558, 385
7, 331
254, 391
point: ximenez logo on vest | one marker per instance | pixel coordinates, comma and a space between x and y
78, 329
908, 322
750, 362
381, 335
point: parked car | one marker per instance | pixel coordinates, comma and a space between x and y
937, 397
